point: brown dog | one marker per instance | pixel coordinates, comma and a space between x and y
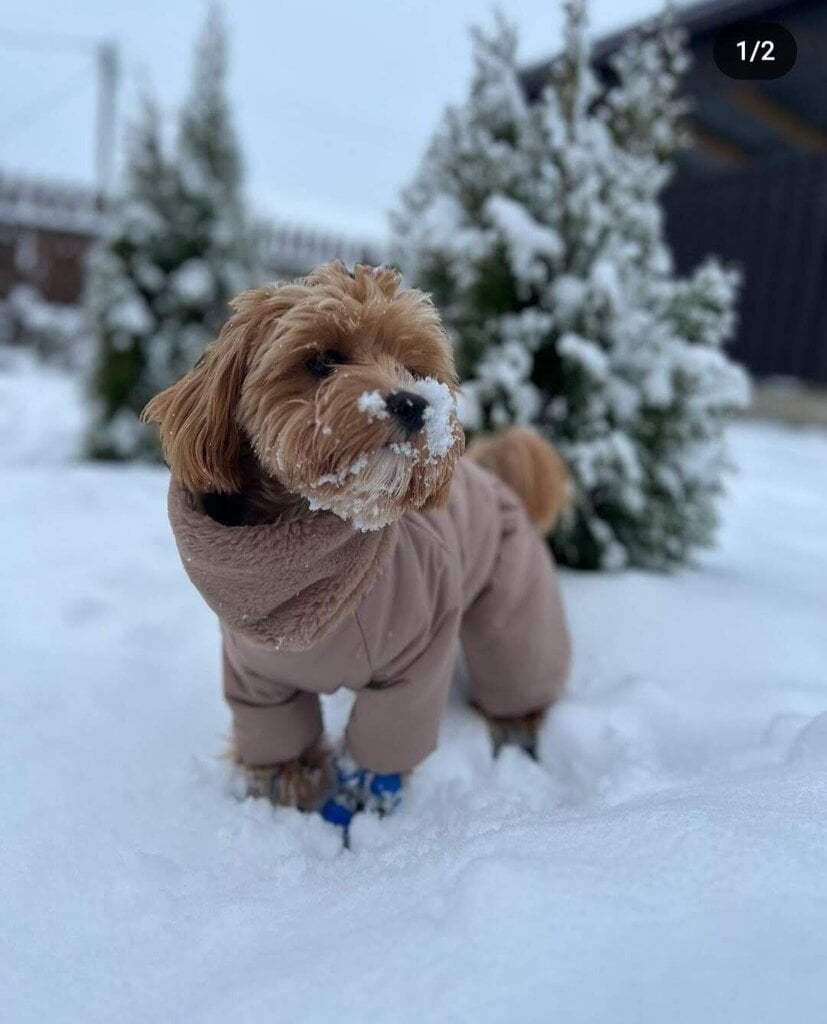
322, 509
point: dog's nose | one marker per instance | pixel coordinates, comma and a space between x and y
408, 408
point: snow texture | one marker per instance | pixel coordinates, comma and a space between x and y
525, 238
55, 332
354, 469
193, 283
373, 405
440, 417
664, 862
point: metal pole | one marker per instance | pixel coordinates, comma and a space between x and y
105, 129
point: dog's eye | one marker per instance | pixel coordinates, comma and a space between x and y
415, 373
322, 364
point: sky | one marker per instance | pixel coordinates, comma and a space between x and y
334, 102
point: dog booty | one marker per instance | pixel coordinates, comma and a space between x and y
358, 789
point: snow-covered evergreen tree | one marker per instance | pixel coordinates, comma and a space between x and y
219, 260
176, 248
128, 274
539, 232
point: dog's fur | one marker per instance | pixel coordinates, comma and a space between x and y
266, 426
252, 419
303, 782
531, 467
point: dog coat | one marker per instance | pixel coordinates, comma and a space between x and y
312, 605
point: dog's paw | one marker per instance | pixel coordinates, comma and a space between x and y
304, 782
358, 789
520, 731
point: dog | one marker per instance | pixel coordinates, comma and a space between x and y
321, 505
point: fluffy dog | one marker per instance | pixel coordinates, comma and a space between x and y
321, 507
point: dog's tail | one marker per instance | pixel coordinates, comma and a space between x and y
530, 466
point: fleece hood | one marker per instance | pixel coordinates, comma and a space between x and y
283, 584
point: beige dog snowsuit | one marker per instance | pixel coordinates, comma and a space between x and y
312, 605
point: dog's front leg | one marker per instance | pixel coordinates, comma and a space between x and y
304, 782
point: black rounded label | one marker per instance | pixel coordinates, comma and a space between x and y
756, 51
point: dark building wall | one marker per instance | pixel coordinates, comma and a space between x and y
752, 188
771, 222
51, 261
59, 276
46, 231
739, 123
8, 259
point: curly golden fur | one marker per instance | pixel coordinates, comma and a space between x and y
532, 467
251, 419
303, 782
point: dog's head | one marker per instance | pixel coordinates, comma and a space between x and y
344, 386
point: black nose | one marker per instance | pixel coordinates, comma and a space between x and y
408, 408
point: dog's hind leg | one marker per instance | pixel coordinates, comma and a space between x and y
517, 731
515, 638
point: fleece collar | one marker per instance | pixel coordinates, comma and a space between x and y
286, 585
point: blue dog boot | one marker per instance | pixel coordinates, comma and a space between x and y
384, 792
339, 808
350, 778
357, 789
337, 812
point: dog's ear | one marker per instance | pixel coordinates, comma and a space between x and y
200, 434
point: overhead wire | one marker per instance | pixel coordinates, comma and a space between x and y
42, 106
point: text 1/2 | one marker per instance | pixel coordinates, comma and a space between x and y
767, 45
756, 51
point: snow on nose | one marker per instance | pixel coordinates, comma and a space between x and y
439, 418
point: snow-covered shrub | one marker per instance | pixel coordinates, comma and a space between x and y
176, 248
539, 232
56, 333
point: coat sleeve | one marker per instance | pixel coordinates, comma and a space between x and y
410, 626
274, 694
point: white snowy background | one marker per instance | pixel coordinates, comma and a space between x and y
665, 862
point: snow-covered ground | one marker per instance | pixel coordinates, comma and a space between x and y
667, 863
